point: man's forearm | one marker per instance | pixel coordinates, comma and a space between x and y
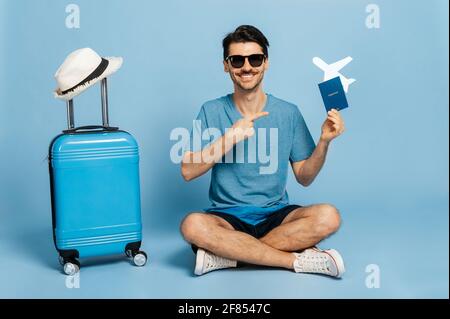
195, 164
312, 166
198, 163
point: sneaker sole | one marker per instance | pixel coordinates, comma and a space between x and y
199, 262
337, 258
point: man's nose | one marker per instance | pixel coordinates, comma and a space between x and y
247, 66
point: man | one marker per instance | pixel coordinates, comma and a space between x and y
250, 219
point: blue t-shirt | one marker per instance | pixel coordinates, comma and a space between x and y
250, 180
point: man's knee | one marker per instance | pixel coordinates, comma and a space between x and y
193, 227
328, 220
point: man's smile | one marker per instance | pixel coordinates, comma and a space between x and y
246, 76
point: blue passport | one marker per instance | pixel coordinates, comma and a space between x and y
333, 94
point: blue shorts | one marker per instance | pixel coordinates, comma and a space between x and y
262, 228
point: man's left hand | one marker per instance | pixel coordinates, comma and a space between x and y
333, 126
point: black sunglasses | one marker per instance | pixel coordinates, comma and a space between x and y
238, 61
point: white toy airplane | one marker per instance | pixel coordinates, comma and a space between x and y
331, 70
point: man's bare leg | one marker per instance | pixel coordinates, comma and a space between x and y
216, 235
304, 227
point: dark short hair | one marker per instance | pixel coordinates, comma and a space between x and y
245, 33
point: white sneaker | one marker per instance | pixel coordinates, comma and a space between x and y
313, 260
206, 262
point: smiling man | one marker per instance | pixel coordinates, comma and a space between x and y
250, 219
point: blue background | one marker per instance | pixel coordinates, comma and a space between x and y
388, 173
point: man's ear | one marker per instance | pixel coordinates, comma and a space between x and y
266, 64
225, 66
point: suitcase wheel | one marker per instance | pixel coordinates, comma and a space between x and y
71, 267
129, 253
139, 257
61, 260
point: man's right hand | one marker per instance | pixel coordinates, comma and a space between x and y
243, 128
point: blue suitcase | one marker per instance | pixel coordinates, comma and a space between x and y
95, 193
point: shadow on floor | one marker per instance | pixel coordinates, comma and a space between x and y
183, 258
103, 260
37, 244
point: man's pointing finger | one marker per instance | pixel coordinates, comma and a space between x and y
256, 116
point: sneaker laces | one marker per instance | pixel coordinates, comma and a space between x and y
317, 262
216, 262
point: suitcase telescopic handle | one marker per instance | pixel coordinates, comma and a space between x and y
105, 112
104, 94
